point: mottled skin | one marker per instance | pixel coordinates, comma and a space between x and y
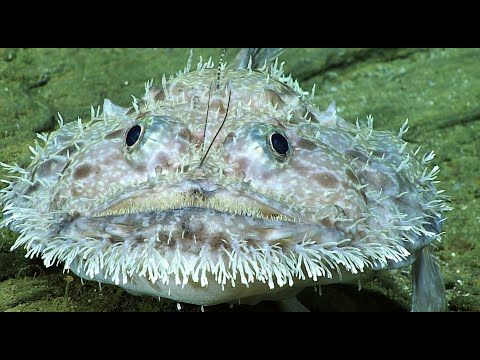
158, 215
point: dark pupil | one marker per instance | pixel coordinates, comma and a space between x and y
133, 135
279, 143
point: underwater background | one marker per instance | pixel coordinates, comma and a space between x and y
438, 90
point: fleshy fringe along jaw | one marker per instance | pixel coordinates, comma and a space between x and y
236, 260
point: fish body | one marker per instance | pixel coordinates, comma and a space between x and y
227, 184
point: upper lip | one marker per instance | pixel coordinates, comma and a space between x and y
198, 194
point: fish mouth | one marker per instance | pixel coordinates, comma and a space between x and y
191, 215
198, 196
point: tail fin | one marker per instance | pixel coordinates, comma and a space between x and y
427, 283
258, 55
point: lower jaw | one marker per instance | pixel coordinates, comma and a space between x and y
194, 255
187, 225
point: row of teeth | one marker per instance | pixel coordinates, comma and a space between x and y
180, 201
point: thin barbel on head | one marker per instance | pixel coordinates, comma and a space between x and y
206, 117
219, 129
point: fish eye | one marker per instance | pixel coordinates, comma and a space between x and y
133, 135
279, 144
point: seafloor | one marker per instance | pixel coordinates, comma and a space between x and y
438, 90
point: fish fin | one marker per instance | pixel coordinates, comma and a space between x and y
258, 57
428, 288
